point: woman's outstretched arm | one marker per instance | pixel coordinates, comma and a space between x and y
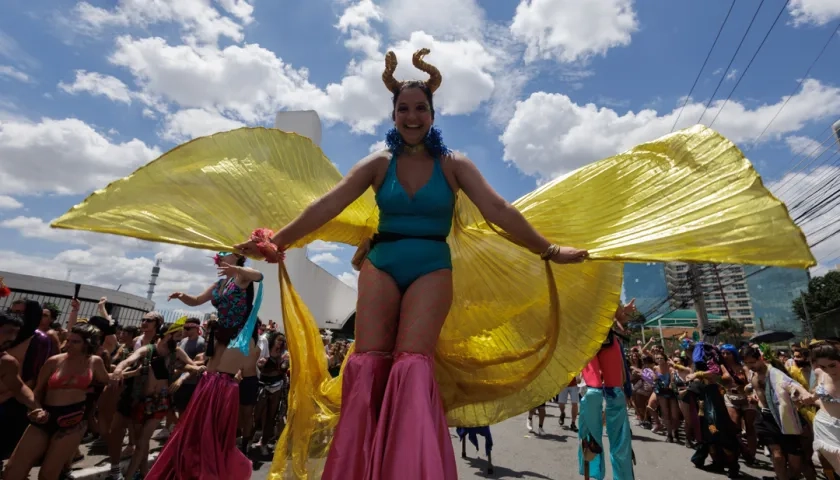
191, 301
499, 211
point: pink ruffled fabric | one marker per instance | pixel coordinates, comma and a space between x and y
392, 423
412, 439
362, 389
203, 446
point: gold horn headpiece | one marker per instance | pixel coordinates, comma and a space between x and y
395, 85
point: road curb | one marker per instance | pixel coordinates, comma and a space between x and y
100, 472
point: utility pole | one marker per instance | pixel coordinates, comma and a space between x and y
722, 293
694, 276
809, 331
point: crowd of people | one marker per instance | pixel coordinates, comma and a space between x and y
726, 402
94, 381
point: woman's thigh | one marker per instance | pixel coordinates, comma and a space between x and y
377, 310
62, 447
425, 306
28, 451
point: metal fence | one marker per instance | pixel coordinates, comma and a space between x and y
123, 314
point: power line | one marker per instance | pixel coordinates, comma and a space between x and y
723, 75
805, 155
799, 200
825, 147
744, 73
799, 84
696, 79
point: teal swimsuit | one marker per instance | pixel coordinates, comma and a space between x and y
412, 232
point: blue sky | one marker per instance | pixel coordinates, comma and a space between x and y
92, 90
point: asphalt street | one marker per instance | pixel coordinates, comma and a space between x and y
518, 454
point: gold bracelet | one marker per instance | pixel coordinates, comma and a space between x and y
550, 251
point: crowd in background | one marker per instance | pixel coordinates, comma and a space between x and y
93, 381
725, 401
117, 387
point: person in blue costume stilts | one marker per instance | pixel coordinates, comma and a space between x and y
607, 380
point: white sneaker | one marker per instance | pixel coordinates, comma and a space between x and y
528, 425
540, 431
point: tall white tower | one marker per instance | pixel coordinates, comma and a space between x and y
153, 280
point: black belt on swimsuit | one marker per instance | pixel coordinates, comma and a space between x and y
385, 237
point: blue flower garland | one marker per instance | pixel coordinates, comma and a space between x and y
433, 142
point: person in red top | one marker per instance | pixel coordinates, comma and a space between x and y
605, 378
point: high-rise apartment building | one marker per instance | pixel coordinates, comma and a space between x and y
772, 291
646, 283
724, 288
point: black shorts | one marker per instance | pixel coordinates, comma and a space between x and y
181, 398
249, 389
63, 418
769, 433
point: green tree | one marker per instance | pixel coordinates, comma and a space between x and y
731, 331
822, 300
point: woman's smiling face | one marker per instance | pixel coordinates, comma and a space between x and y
413, 115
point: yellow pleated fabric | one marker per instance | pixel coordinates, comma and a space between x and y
519, 328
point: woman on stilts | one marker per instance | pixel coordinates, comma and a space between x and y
392, 421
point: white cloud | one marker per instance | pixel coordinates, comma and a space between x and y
98, 84
14, 73
324, 258
320, 246
9, 203
803, 145
130, 272
732, 74
380, 145
37, 228
816, 12
440, 18
550, 135
63, 156
185, 125
350, 279
129, 261
198, 19
249, 83
799, 191
573, 30
11, 49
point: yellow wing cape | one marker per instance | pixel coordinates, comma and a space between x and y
518, 328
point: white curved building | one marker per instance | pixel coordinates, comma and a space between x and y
331, 301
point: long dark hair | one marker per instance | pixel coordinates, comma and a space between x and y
31, 319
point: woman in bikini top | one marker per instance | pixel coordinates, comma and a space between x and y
62, 386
